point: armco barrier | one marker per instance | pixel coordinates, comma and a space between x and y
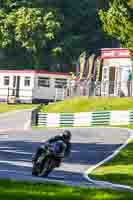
100, 118
84, 119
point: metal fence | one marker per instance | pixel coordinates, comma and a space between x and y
83, 88
100, 88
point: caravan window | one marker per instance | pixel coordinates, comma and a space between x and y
6, 80
43, 82
60, 83
105, 73
27, 81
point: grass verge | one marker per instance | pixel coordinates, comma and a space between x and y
13, 107
11, 190
130, 126
118, 170
85, 104
98, 126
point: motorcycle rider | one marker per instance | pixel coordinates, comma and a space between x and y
65, 137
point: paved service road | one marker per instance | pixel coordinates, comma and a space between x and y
15, 120
89, 146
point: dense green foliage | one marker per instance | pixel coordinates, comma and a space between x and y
118, 21
29, 28
47, 32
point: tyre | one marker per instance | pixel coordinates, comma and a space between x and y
47, 167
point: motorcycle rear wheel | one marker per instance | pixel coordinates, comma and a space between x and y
34, 169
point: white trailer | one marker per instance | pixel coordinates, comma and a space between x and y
32, 86
115, 69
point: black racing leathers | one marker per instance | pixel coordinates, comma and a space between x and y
57, 138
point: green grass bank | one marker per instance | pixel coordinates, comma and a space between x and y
13, 107
85, 104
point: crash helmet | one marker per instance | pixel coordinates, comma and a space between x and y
66, 135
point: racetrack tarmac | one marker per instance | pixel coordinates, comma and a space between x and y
89, 146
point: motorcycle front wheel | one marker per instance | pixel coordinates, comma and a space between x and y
47, 167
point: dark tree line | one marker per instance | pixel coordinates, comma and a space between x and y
44, 33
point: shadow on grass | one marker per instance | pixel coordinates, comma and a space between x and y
20, 191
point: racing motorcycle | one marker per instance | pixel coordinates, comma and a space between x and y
47, 161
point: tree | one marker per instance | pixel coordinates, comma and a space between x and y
81, 29
35, 28
29, 28
74, 28
118, 21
